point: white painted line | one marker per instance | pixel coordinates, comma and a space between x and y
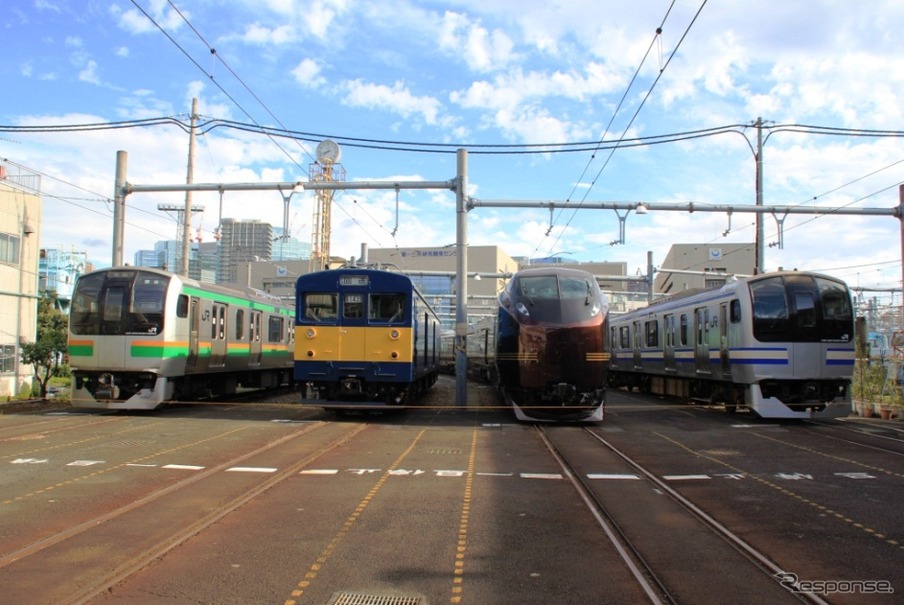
613, 476
540, 475
495, 474
85, 462
685, 477
184, 467
319, 471
250, 469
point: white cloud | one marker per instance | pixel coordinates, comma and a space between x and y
307, 74
396, 99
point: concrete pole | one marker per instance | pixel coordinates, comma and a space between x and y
189, 179
119, 207
461, 302
901, 224
760, 231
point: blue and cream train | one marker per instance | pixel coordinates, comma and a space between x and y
141, 337
781, 344
364, 338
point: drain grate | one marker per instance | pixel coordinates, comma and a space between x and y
360, 598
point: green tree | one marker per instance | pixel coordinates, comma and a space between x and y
52, 342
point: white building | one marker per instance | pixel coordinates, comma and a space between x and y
20, 219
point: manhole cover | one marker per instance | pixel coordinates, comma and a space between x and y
361, 598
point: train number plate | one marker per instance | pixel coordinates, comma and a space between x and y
353, 280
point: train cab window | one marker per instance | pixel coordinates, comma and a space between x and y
275, 329
240, 324
837, 311
386, 307
805, 305
321, 306
353, 305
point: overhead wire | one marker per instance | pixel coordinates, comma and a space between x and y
636, 111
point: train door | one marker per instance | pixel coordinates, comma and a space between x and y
724, 361
218, 335
254, 337
194, 329
637, 332
668, 345
701, 340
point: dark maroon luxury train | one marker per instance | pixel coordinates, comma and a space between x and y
551, 353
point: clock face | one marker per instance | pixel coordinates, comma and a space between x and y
328, 152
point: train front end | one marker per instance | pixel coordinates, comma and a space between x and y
364, 340
551, 356
122, 339
797, 353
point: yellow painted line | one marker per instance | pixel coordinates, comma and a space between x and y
458, 569
313, 571
820, 507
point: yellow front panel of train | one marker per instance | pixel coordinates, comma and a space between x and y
336, 343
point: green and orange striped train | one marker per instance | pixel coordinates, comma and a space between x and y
140, 337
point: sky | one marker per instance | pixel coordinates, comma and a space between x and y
577, 101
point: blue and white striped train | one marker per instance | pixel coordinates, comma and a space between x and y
780, 344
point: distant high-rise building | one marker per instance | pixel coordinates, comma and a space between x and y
148, 258
242, 241
289, 248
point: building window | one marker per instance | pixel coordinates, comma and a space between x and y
7, 359
9, 248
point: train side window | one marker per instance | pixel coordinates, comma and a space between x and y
240, 324
652, 331
682, 330
182, 306
274, 333
624, 337
222, 323
213, 324
735, 311
668, 328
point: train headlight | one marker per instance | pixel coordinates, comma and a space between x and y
595, 309
311, 333
394, 334
522, 309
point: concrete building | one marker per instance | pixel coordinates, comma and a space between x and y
242, 241
433, 270
686, 265
20, 221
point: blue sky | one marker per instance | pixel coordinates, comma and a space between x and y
469, 73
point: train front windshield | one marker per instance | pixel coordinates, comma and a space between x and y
801, 308
557, 299
119, 302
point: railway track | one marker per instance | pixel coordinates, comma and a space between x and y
633, 547
91, 532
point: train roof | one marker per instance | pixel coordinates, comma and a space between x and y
237, 290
